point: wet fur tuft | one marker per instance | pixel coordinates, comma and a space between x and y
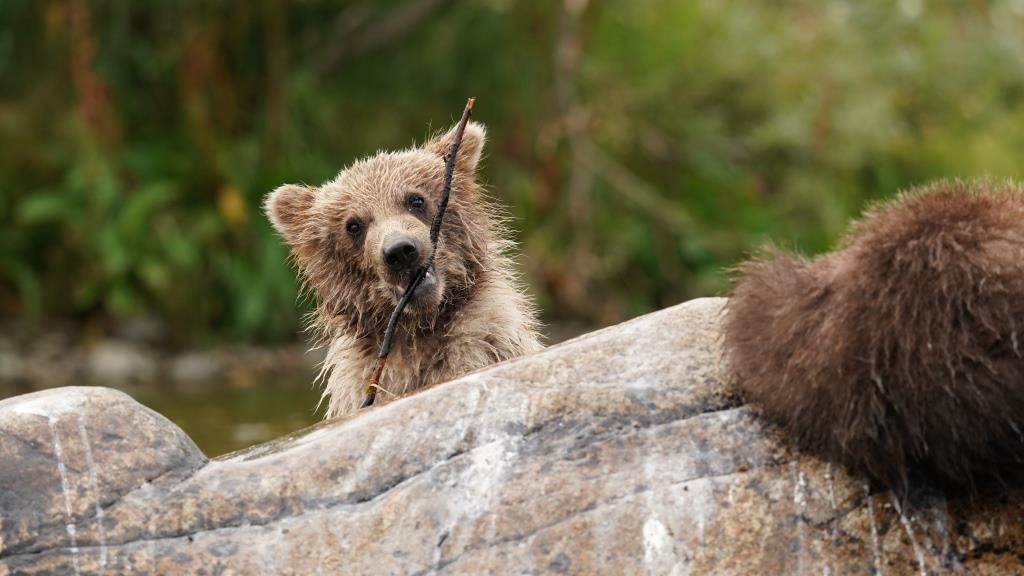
901, 351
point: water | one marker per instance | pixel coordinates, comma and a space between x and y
248, 404
224, 419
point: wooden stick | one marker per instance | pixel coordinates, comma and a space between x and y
370, 393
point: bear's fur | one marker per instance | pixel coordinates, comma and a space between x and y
902, 350
468, 313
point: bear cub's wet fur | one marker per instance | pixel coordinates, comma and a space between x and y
358, 239
904, 349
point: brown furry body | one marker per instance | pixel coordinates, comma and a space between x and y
903, 349
467, 314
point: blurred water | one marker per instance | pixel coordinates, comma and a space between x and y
224, 419
225, 399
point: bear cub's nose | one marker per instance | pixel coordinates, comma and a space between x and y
401, 254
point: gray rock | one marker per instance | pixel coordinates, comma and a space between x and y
620, 452
148, 329
10, 363
119, 362
194, 368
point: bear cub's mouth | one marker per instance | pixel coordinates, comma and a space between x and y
426, 287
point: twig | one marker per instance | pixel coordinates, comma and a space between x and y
637, 191
354, 33
435, 231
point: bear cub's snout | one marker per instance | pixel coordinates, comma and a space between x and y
401, 254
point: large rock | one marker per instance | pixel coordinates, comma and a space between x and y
620, 452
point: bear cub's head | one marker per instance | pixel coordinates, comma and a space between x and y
360, 238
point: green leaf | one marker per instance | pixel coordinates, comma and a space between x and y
47, 207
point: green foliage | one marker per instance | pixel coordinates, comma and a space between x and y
140, 138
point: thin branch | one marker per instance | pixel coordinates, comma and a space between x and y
435, 232
569, 50
639, 192
351, 37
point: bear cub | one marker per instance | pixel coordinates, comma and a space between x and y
902, 350
358, 239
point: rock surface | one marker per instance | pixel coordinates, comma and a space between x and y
620, 452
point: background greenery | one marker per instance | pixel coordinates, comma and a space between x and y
641, 146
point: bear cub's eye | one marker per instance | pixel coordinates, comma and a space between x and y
415, 201
354, 227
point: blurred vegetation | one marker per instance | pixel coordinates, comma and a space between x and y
641, 146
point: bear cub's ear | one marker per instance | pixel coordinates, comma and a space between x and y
470, 149
289, 208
